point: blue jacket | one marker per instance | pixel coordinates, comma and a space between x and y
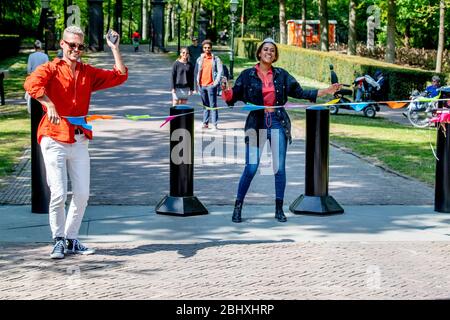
432, 91
248, 88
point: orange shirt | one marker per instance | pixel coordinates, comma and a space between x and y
71, 94
206, 78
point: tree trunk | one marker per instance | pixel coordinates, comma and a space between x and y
141, 17
283, 38
145, 8
130, 20
170, 22
351, 50
304, 23
194, 7
324, 44
440, 49
390, 45
65, 12
407, 38
108, 19
118, 17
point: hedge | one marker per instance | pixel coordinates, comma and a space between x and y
10, 45
315, 65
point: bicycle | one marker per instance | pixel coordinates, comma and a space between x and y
422, 109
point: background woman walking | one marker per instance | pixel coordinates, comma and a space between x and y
182, 78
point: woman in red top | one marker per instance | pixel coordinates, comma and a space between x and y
265, 85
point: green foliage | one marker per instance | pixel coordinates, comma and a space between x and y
10, 45
18, 16
246, 47
417, 20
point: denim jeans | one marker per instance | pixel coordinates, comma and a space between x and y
209, 98
276, 136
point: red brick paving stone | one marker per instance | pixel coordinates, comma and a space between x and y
313, 270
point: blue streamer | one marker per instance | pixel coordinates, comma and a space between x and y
79, 121
252, 107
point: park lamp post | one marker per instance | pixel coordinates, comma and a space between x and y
233, 9
45, 4
178, 10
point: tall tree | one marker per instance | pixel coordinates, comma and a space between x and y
391, 31
130, 19
145, 15
118, 17
194, 7
169, 21
141, 17
440, 49
283, 37
351, 50
304, 23
108, 19
324, 43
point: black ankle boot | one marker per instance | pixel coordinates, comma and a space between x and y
237, 211
279, 214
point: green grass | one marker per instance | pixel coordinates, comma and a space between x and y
14, 119
401, 148
14, 136
17, 67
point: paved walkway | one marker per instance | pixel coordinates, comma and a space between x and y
389, 243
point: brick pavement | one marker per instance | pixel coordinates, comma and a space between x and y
231, 270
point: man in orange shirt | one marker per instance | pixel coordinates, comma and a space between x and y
208, 72
64, 87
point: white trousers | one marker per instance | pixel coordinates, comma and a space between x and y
62, 159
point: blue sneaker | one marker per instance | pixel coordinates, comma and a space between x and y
75, 247
58, 248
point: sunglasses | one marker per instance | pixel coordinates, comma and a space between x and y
73, 45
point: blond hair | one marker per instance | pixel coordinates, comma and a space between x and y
74, 30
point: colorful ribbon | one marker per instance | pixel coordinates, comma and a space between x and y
79, 121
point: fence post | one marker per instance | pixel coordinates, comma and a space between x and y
2, 88
40, 192
181, 200
442, 179
316, 199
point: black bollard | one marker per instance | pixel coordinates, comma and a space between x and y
442, 179
2, 88
40, 192
316, 199
181, 200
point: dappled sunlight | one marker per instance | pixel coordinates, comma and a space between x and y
341, 184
